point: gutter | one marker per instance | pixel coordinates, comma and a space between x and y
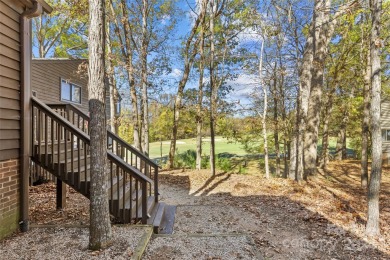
25, 106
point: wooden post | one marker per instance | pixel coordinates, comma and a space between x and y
60, 194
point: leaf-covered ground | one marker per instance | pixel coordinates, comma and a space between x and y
321, 219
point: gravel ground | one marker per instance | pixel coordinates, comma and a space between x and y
215, 246
268, 212
228, 216
69, 243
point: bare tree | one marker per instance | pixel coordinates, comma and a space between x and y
124, 33
366, 121
100, 226
264, 115
144, 76
199, 114
189, 53
213, 87
372, 227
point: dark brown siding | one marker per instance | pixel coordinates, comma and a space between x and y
9, 80
46, 77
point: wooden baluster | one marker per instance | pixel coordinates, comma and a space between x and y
33, 129
85, 168
52, 143
39, 134
124, 195
136, 200
117, 187
58, 147
155, 184
131, 196
46, 140
144, 202
72, 158
112, 186
66, 154
78, 163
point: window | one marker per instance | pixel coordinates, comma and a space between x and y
118, 108
385, 135
70, 92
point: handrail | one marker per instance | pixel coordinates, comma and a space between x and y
75, 109
80, 134
132, 149
61, 145
62, 120
110, 134
141, 177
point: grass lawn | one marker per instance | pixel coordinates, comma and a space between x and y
222, 145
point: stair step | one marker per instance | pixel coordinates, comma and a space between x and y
163, 218
50, 147
168, 220
150, 204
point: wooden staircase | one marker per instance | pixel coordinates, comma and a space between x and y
61, 146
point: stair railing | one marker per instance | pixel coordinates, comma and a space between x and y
63, 149
115, 144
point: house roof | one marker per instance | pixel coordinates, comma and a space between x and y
29, 3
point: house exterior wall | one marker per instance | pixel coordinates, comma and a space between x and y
385, 125
10, 114
46, 75
9, 80
9, 196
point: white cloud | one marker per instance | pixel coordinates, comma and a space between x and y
243, 86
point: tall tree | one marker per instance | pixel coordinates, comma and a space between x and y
372, 227
124, 33
366, 120
100, 226
189, 52
199, 114
213, 87
61, 33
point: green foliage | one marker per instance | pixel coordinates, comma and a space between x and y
224, 163
186, 159
63, 32
125, 129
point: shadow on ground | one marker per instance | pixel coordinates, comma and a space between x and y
280, 227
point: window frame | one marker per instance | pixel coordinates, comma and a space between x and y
72, 85
385, 134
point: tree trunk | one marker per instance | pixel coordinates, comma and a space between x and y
199, 116
341, 136
366, 122
127, 52
100, 226
188, 62
213, 97
276, 126
144, 77
372, 227
264, 115
296, 156
324, 28
325, 136
112, 84
321, 19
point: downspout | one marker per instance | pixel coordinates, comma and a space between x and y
25, 106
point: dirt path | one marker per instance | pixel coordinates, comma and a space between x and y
275, 219
233, 216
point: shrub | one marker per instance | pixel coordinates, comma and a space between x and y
224, 163
186, 159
